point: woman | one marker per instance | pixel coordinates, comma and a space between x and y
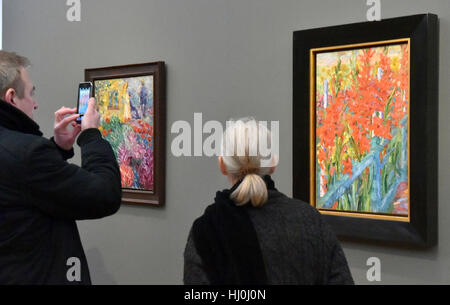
253, 234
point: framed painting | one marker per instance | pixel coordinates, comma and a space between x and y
365, 128
131, 102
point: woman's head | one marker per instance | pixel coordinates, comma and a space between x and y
241, 160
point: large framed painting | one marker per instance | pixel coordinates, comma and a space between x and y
365, 128
131, 102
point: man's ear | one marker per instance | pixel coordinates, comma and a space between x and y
9, 96
222, 166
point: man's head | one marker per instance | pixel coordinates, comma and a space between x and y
16, 87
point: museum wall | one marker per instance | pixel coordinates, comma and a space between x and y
225, 59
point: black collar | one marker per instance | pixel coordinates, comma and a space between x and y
15, 119
227, 242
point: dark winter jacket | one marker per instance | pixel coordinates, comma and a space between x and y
41, 197
297, 246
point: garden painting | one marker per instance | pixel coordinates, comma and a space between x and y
362, 129
126, 109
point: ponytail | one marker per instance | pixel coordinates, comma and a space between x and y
242, 159
252, 189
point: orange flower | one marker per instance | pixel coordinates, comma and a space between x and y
108, 120
381, 129
321, 155
127, 175
332, 170
105, 133
348, 167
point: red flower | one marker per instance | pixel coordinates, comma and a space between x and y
127, 175
335, 205
332, 170
381, 129
348, 167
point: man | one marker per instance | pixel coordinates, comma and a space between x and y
41, 195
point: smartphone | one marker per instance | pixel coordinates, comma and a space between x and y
84, 94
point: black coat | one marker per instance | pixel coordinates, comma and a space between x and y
41, 197
297, 245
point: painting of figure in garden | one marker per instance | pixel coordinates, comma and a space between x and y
362, 108
126, 108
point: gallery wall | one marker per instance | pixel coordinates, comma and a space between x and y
225, 59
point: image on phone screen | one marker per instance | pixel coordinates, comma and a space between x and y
84, 95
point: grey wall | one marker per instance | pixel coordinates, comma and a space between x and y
225, 58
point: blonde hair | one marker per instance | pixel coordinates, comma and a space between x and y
242, 160
10, 74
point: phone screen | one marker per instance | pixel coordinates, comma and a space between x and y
84, 95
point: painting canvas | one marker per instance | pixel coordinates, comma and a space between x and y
362, 128
131, 103
365, 126
126, 109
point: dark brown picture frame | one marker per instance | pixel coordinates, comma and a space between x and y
421, 229
156, 197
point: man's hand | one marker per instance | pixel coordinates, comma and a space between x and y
92, 118
63, 137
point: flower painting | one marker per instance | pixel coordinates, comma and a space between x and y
365, 128
126, 108
362, 129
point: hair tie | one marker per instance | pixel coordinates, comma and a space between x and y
248, 169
